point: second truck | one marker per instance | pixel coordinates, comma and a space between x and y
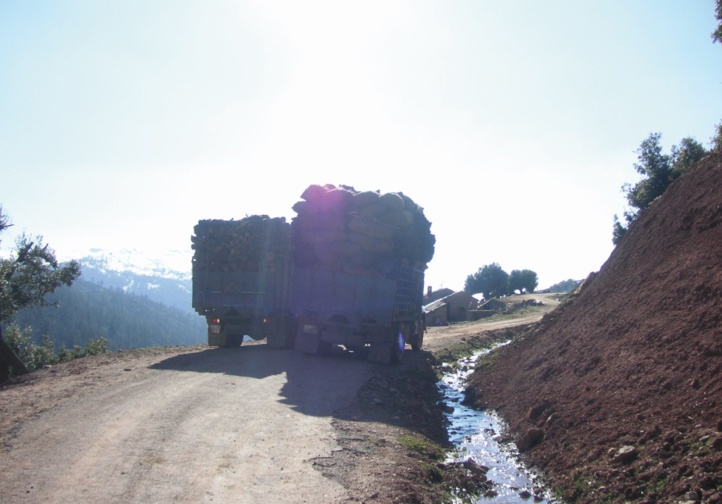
242, 280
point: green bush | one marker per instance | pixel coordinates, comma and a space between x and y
38, 356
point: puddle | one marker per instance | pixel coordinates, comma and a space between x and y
478, 435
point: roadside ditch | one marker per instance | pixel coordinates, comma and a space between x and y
481, 443
398, 442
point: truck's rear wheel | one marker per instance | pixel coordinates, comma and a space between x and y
232, 333
233, 341
418, 341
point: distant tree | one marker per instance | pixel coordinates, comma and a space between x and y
523, 281
490, 280
689, 152
4, 220
619, 229
30, 274
658, 170
26, 277
717, 34
655, 167
565, 286
716, 141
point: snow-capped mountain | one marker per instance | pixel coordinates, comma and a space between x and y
165, 279
172, 264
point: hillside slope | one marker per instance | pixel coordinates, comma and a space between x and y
132, 273
88, 311
623, 383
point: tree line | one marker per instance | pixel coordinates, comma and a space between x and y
86, 311
492, 281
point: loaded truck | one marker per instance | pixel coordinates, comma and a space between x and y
358, 281
376, 315
242, 280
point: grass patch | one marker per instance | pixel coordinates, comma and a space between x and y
487, 360
423, 446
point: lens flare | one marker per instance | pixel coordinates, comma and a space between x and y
401, 342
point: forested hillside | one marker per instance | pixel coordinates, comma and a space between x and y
171, 288
88, 311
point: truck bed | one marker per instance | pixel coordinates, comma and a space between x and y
382, 299
257, 292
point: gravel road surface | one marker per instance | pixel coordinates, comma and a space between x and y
203, 425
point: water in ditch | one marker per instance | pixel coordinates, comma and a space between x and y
479, 435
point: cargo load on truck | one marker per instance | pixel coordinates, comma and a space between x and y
359, 260
341, 229
241, 279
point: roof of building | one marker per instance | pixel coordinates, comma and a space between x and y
437, 294
435, 305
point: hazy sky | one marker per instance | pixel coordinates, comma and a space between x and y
513, 123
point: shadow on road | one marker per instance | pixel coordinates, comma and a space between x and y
341, 384
253, 361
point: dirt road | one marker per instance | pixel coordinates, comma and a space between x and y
202, 426
438, 338
184, 424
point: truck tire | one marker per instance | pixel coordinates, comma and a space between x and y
233, 341
290, 331
418, 341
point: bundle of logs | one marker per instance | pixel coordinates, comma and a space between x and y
255, 243
341, 229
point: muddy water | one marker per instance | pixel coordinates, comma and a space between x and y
478, 435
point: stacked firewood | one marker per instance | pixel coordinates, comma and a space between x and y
341, 229
255, 243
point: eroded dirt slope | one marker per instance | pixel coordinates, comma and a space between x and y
624, 382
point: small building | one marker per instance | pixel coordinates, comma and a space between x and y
434, 295
453, 307
494, 304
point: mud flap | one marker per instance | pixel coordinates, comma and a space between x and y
280, 333
275, 340
216, 340
307, 343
